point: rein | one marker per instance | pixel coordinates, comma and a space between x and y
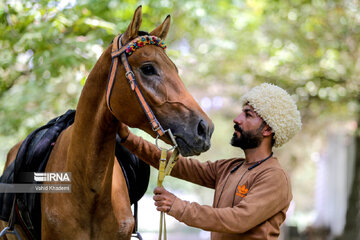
121, 51
165, 170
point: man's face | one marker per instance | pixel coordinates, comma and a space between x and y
248, 129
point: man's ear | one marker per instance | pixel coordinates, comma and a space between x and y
267, 131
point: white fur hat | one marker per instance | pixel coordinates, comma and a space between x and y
276, 107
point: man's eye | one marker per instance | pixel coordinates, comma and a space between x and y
148, 70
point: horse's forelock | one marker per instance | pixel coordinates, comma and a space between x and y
140, 33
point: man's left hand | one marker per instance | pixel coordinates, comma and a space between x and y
163, 199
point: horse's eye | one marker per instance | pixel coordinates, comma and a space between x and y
148, 70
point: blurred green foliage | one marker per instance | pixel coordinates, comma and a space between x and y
308, 47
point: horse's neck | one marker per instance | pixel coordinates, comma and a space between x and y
92, 146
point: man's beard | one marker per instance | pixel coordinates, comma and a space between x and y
247, 140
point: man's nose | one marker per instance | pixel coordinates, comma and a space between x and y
238, 120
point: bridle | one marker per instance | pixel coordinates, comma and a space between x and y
121, 51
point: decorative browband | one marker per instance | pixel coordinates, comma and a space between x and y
143, 41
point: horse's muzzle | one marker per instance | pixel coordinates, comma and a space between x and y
195, 141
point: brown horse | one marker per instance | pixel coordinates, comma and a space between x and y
98, 206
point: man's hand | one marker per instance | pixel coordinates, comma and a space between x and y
163, 199
123, 131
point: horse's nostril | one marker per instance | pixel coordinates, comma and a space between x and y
202, 129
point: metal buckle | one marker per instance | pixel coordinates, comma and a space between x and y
172, 138
157, 123
155, 129
7, 230
130, 73
131, 81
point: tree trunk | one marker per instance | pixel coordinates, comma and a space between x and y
352, 227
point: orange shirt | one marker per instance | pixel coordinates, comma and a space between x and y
248, 204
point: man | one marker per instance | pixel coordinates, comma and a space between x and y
253, 194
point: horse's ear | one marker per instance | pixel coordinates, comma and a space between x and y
133, 28
162, 30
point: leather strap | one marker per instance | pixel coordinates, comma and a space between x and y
135, 87
113, 70
118, 50
165, 170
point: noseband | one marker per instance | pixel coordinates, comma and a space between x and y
121, 51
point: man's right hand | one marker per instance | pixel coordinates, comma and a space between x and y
163, 199
123, 131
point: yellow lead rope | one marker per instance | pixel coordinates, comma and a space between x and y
164, 170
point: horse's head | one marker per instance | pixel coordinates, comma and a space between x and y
159, 82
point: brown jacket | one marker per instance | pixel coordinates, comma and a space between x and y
248, 204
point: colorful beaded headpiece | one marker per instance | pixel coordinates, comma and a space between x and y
142, 41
